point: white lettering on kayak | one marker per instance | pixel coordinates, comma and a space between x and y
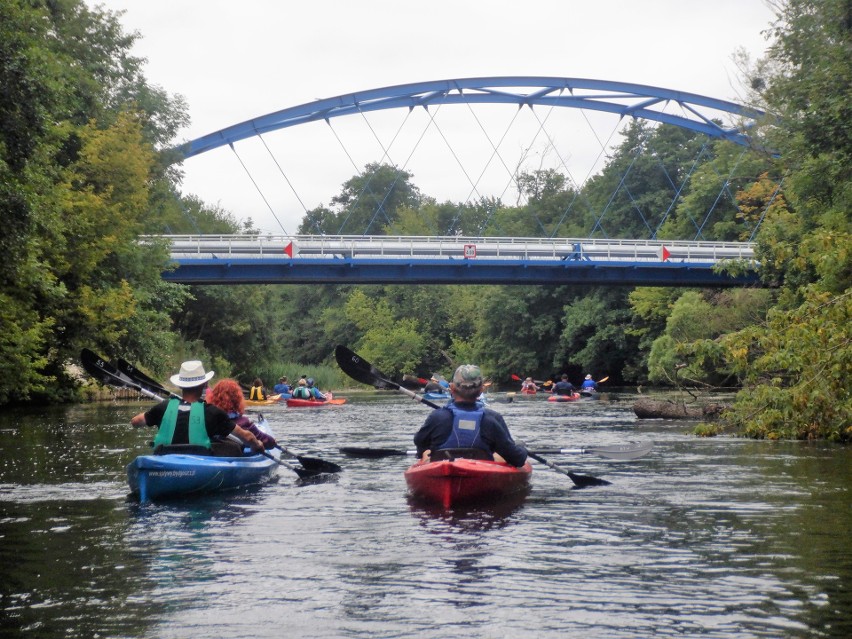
171, 473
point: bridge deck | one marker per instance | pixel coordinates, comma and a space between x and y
440, 260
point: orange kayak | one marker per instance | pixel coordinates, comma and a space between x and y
465, 481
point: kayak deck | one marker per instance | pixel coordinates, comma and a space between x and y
465, 481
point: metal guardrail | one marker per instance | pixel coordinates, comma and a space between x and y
357, 247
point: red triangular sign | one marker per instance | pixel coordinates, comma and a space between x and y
288, 250
663, 253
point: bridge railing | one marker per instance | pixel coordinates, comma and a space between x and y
356, 247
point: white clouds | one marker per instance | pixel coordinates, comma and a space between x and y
234, 61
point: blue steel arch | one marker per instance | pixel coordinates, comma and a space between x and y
620, 98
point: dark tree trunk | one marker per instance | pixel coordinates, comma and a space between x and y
668, 409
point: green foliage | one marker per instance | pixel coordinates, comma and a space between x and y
593, 336
795, 367
394, 345
711, 209
688, 351
796, 371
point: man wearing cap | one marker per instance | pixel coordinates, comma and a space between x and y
589, 384
190, 420
466, 423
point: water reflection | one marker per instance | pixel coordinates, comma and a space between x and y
474, 518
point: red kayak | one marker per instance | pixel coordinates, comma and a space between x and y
314, 403
564, 398
465, 481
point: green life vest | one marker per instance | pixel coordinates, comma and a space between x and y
301, 392
197, 430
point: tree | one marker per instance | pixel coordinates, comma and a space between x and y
796, 364
367, 203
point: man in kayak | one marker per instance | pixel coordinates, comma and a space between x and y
282, 387
189, 420
589, 384
563, 386
466, 423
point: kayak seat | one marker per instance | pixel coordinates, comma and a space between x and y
465, 453
182, 449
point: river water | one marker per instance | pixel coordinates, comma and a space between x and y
717, 537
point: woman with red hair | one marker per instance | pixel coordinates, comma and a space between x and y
228, 396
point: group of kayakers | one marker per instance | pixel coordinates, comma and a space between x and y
463, 423
190, 421
305, 388
562, 387
208, 424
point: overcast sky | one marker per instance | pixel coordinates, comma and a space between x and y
233, 61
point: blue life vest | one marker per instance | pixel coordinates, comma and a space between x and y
589, 383
197, 429
466, 428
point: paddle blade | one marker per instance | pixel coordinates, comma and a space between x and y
580, 481
516, 378
319, 465
602, 380
359, 369
138, 376
585, 481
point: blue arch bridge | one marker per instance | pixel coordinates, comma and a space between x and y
598, 260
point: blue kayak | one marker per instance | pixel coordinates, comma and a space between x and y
153, 477
434, 396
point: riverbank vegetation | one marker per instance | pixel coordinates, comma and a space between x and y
86, 167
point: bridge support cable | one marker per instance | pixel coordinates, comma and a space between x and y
766, 208
725, 189
686, 178
600, 217
284, 175
256, 186
366, 188
578, 186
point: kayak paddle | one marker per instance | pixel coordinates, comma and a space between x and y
362, 371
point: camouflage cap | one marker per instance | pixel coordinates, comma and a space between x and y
467, 377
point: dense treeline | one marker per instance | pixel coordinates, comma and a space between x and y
86, 169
